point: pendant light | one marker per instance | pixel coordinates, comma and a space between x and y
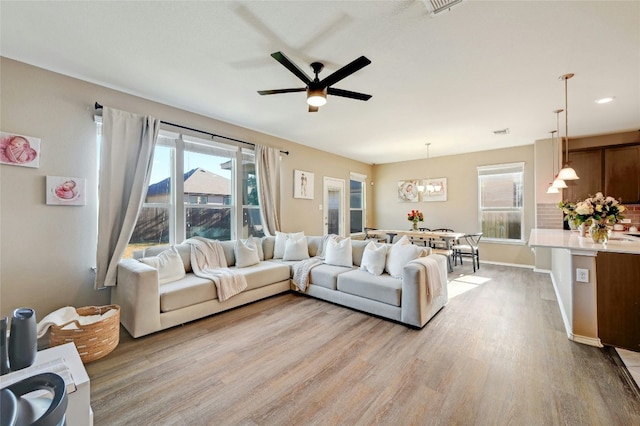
430, 187
553, 189
567, 173
557, 182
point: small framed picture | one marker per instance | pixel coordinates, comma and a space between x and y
408, 191
302, 184
435, 189
66, 191
19, 150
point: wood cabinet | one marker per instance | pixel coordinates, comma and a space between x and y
622, 173
614, 171
588, 166
618, 295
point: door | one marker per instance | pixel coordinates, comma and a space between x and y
334, 202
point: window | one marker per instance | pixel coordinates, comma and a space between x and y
500, 196
204, 200
357, 203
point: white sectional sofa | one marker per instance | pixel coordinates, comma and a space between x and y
147, 306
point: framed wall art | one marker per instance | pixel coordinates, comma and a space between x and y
19, 150
303, 184
66, 191
435, 189
408, 191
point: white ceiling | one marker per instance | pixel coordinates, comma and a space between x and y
449, 79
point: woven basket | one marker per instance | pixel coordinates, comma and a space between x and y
93, 341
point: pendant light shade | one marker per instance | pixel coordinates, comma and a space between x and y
553, 190
567, 172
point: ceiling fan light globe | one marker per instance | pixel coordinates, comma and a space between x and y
316, 97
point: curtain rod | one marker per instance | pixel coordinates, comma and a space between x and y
213, 135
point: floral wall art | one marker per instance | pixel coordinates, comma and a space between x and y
66, 191
19, 150
408, 191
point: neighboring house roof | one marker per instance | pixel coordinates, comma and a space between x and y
196, 181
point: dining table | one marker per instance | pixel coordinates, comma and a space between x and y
448, 237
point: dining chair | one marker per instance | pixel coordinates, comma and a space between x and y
470, 249
420, 240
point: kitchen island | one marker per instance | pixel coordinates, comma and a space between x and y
597, 285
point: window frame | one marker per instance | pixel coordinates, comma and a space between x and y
519, 197
177, 203
358, 177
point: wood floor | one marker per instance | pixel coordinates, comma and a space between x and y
497, 354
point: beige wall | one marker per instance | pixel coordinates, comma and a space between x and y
47, 252
459, 212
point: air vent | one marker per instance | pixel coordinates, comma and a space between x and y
438, 6
501, 132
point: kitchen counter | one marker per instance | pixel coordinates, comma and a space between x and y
596, 285
620, 242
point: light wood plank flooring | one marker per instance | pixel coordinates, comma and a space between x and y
497, 354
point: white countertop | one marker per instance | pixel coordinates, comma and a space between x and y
620, 242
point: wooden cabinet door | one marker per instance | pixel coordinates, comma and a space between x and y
588, 166
622, 173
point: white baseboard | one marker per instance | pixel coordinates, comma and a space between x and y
565, 318
515, 265
591, 341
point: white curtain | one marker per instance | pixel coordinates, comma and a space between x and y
128, 142
268, 178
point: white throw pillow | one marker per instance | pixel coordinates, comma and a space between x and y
246, 253
400, 255
374, 258
296, 248
169, 265
339, 253
281, 241
258, 243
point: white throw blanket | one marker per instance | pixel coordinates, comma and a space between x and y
436, 274
302, 269
208, 261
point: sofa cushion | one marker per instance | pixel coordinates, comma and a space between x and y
246, 253
186, 292
268, 244
184, 250
169, 265
339, 253
264, 273
326, 276
374, 258
295, 248
381, 288
281, 240
357, 248
401, 253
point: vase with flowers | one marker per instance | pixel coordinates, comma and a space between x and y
601, 212
415, 216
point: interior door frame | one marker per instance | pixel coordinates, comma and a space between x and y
327, 183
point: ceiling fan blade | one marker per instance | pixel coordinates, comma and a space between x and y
313, 108
348, 94
277, 91
288, 64
345, 71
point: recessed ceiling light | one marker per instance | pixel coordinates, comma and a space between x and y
605, 100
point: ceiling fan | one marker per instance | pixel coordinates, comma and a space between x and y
317, 90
